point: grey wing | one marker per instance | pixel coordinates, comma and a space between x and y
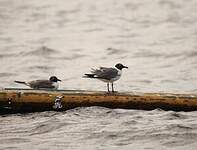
41, 84
105, 73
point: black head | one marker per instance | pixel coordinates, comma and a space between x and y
54, 79
120, 66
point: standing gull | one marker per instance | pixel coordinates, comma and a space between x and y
109, 75
52, 83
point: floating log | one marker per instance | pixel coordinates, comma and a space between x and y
27, 100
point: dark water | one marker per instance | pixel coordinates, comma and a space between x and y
100, 128
155, 39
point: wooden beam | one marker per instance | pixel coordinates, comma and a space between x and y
27, 100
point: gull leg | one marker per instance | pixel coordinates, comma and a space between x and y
108, 87
112, 85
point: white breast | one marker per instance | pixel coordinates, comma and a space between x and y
113, 79
56, 85
117, 77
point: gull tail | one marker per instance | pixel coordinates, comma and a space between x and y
21, 82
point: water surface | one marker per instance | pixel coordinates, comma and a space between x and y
155, 39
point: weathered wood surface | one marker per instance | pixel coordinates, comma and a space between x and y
26, 100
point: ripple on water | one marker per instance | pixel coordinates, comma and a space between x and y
14, 140
114, 51
7, 74
171, 115
42, 51
103, 126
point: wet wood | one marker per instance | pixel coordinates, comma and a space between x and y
26, 100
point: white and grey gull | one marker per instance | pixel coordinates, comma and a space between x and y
52, 83
108, 75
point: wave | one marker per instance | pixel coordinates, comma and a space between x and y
42, 51
114, 51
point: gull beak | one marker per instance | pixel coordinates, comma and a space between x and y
125, 67
59, 80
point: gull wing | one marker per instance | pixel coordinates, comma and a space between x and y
105, 73
40, 84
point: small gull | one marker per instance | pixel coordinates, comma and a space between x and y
109, 75
52, 83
